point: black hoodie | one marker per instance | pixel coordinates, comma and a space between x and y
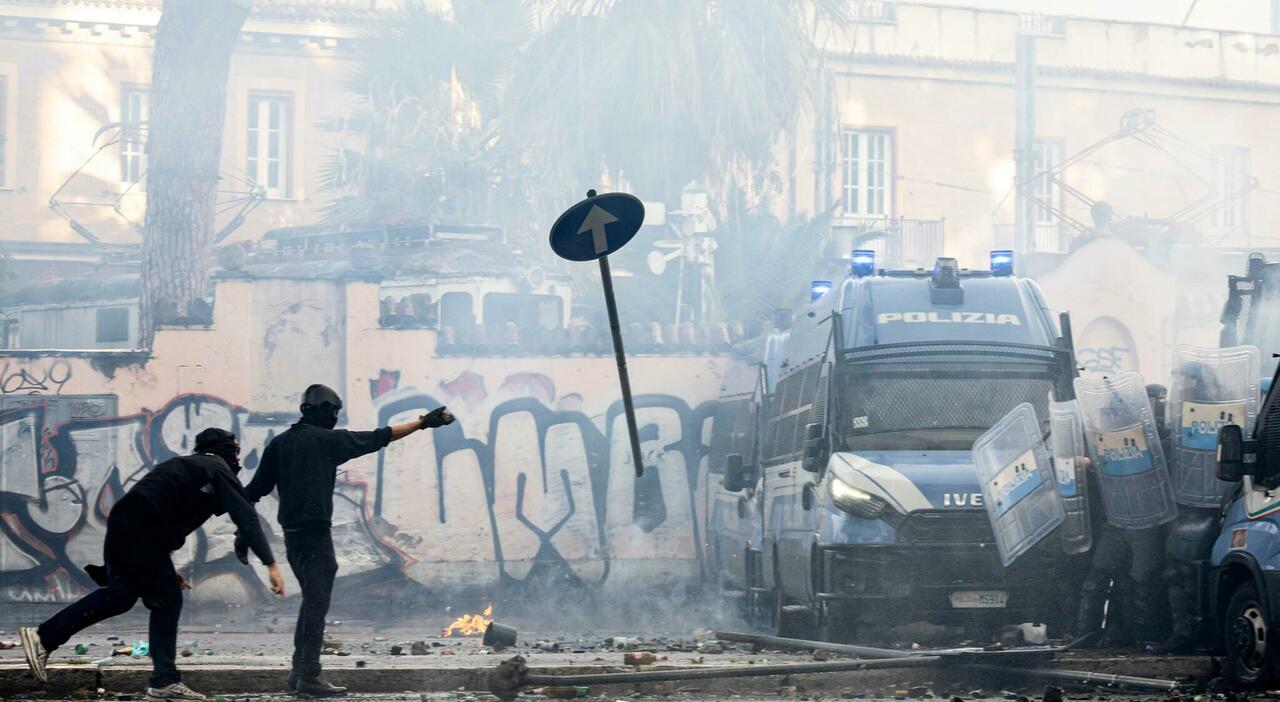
187, 490
302, 463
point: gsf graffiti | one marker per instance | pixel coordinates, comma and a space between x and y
517, 491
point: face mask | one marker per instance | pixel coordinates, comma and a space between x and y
324, 416
229, 452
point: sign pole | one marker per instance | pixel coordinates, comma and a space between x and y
590, 231
616, 329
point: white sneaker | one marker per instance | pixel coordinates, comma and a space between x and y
37, 657
175, 691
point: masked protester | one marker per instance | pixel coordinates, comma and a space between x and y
301, 464
152, 520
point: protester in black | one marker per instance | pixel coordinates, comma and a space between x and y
153, 519
302, 465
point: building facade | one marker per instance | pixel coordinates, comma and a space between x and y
914, 131
74, 99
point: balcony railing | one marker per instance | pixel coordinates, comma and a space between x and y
897, 241
1050, 237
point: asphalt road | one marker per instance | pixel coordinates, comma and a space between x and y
244, 655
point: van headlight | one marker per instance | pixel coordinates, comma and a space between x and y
859, 503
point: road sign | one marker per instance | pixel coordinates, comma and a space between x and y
591, 230
597, 226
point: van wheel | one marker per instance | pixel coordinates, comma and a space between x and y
1251, 657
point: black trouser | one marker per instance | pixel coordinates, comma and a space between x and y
315, 565
1190, 539
138, 565
1135, 554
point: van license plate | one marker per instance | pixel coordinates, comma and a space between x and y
980, 599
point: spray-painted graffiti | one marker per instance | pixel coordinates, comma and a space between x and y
524, 489
34, 379
1109, 359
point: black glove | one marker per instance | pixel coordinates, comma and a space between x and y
242, 548
436, 418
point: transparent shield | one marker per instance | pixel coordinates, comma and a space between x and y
1124, 445
1068, 452
1018, 485
1211, 388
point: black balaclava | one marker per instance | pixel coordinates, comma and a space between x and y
220, 443
320, 406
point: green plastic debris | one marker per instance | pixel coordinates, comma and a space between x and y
81, 649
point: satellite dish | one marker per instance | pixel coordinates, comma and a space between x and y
657, 262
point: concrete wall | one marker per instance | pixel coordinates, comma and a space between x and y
1129, 312
534, 482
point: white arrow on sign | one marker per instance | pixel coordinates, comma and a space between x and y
595, 223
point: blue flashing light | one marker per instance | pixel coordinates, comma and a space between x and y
1002, 263
818, 288
863, 263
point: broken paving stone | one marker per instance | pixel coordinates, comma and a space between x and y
397, 650
821, 655
341, 653
711, 647
1052, 694
418, 648
360, 664
186, 653
919, 692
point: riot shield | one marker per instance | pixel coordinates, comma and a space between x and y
1017, 482
1123, 442
1210, 389
1067, 450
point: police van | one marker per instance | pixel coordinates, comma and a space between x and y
1240, 592
870, 509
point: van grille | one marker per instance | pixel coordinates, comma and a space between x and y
946, 527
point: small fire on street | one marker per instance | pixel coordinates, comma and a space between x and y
470, 624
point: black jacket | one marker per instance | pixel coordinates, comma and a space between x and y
302, 463
187, 490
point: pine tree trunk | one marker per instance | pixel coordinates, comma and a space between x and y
193, 46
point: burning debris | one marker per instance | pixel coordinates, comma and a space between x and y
470, 624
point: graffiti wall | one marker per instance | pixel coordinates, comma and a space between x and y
533, 486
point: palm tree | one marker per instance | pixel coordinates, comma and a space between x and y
421, 140
658, 93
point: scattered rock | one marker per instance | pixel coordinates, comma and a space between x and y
1052, 694
397, 650
418, 648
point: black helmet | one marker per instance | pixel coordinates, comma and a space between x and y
213, 437
317, 395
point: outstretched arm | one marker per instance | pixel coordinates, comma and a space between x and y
345, 445
436, 418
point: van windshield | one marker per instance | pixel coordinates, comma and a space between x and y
932, 404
